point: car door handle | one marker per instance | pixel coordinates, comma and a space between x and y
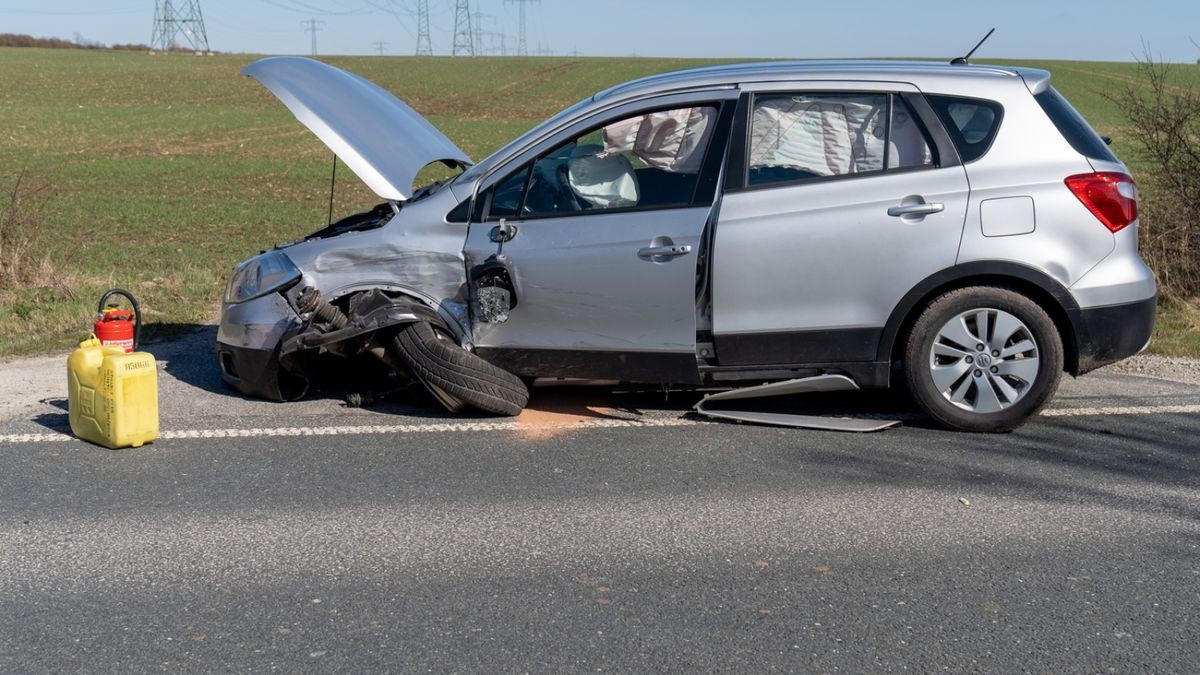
668, 251
916, 209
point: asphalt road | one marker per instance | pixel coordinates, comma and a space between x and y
597, 532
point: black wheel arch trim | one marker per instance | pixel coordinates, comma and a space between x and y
404, 310
1063, 308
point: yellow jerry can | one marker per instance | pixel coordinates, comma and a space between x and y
112, 397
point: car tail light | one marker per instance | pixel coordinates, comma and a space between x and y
1110, 196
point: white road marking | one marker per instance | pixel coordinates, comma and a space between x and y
1122, 410
433, 427
441, 427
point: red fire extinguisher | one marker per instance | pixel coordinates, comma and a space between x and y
116, 326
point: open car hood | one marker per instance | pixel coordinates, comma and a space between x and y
382, 140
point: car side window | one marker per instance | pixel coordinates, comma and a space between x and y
971, 123
648, 160
798, 136
801, 136
908, 145
506, 197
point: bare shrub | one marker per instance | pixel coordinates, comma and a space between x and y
22, 214
1165, 125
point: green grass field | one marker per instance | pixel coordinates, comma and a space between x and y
161, 172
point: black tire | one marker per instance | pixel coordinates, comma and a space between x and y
920, 361
455, 371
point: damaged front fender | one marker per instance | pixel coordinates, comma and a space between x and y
366, 313
268, 347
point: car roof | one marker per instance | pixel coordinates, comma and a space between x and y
781, 71
919, 73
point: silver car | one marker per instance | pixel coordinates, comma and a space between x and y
958, 227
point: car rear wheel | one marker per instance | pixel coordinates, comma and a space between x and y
983, 359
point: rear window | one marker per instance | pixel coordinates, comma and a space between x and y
1073, 127
971, 123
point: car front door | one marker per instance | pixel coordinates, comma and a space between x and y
597, 232
842, 199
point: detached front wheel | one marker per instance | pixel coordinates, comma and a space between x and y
983, 359
454, 375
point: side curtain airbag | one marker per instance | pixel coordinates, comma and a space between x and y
667, 140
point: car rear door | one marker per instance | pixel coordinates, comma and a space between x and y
841, 197
601, 227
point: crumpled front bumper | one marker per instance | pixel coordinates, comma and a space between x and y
248, 342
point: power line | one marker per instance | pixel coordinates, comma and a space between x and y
390, 8
380, 45
305, 8
522, 43
464, 37
424, 45
244, 27
312, 26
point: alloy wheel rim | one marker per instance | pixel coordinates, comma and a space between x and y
984, 360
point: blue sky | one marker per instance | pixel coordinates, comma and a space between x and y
1096, 30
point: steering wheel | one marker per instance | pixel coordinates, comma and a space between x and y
566, 191
552, 195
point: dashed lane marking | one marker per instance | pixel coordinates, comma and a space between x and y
434, 427
602, 423
1122, 410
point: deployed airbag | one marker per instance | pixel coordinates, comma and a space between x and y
667, 140
825, 136
603, 181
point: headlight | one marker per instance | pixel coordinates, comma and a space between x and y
258, 276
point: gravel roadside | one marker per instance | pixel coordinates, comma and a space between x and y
1174, 368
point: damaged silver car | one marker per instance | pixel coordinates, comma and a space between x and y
958, 227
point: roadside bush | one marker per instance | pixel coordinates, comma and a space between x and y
39, 304
22, 211
1165, 127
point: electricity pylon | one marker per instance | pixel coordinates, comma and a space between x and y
522, 45
500, 36
174, 17
312, 26
477, 20
464, 37
424, 46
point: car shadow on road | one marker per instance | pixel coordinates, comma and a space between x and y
186, 353
1067, 460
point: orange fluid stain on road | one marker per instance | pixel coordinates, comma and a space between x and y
555, 413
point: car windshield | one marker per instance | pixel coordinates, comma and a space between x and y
478, 170
433, 177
